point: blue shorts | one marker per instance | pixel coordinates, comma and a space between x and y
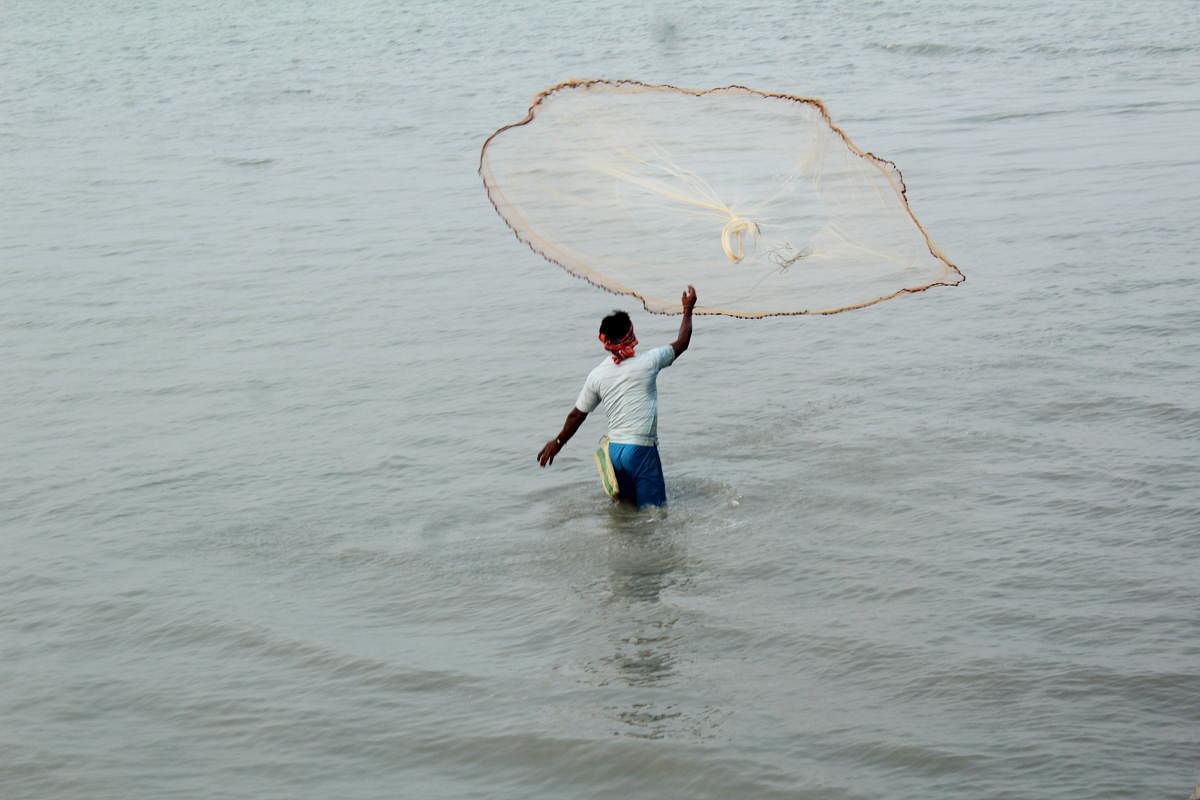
639, 474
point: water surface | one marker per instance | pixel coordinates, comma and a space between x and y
273, 375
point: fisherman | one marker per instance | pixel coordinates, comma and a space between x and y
626, 385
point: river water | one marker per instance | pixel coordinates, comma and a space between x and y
274, 375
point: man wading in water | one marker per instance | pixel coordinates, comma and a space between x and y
626, 385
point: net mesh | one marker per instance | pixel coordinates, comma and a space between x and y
758, 199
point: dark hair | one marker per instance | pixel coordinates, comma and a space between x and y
615, 326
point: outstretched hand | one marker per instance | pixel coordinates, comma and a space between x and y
547, 454
689, 299
574, 420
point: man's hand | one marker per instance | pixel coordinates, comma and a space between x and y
685, 327
574, 420
546, 456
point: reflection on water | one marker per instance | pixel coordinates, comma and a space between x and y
635, 571
644, 559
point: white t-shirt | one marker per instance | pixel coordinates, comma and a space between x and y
629, 393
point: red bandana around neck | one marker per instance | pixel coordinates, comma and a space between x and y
620, 350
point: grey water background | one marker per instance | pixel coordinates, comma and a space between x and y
274, 375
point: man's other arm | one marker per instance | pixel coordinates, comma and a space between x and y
574, 420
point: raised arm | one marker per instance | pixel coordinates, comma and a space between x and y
685, 328
574, 420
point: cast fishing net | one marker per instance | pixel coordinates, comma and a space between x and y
758, 199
